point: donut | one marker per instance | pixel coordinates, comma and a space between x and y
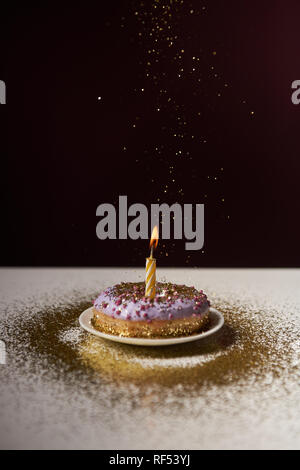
176, 310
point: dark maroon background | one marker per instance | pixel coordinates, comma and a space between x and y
62, 151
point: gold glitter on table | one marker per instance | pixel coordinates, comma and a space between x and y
62, 387
244, 347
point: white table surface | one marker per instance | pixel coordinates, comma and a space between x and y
36, 412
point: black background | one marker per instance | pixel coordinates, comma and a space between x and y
63, 151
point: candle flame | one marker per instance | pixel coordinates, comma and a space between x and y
154, 237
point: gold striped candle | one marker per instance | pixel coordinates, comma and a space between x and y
151, 266
150, 277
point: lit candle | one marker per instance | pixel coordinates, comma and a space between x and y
151, 266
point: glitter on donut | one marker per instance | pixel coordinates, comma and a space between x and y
170, 313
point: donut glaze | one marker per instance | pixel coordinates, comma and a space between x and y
127, 301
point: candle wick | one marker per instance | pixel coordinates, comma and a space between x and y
151, 252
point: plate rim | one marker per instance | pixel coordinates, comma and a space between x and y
150, 341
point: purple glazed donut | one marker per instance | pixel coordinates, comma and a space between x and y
176, 310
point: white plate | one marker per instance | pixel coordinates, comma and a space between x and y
216, 319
